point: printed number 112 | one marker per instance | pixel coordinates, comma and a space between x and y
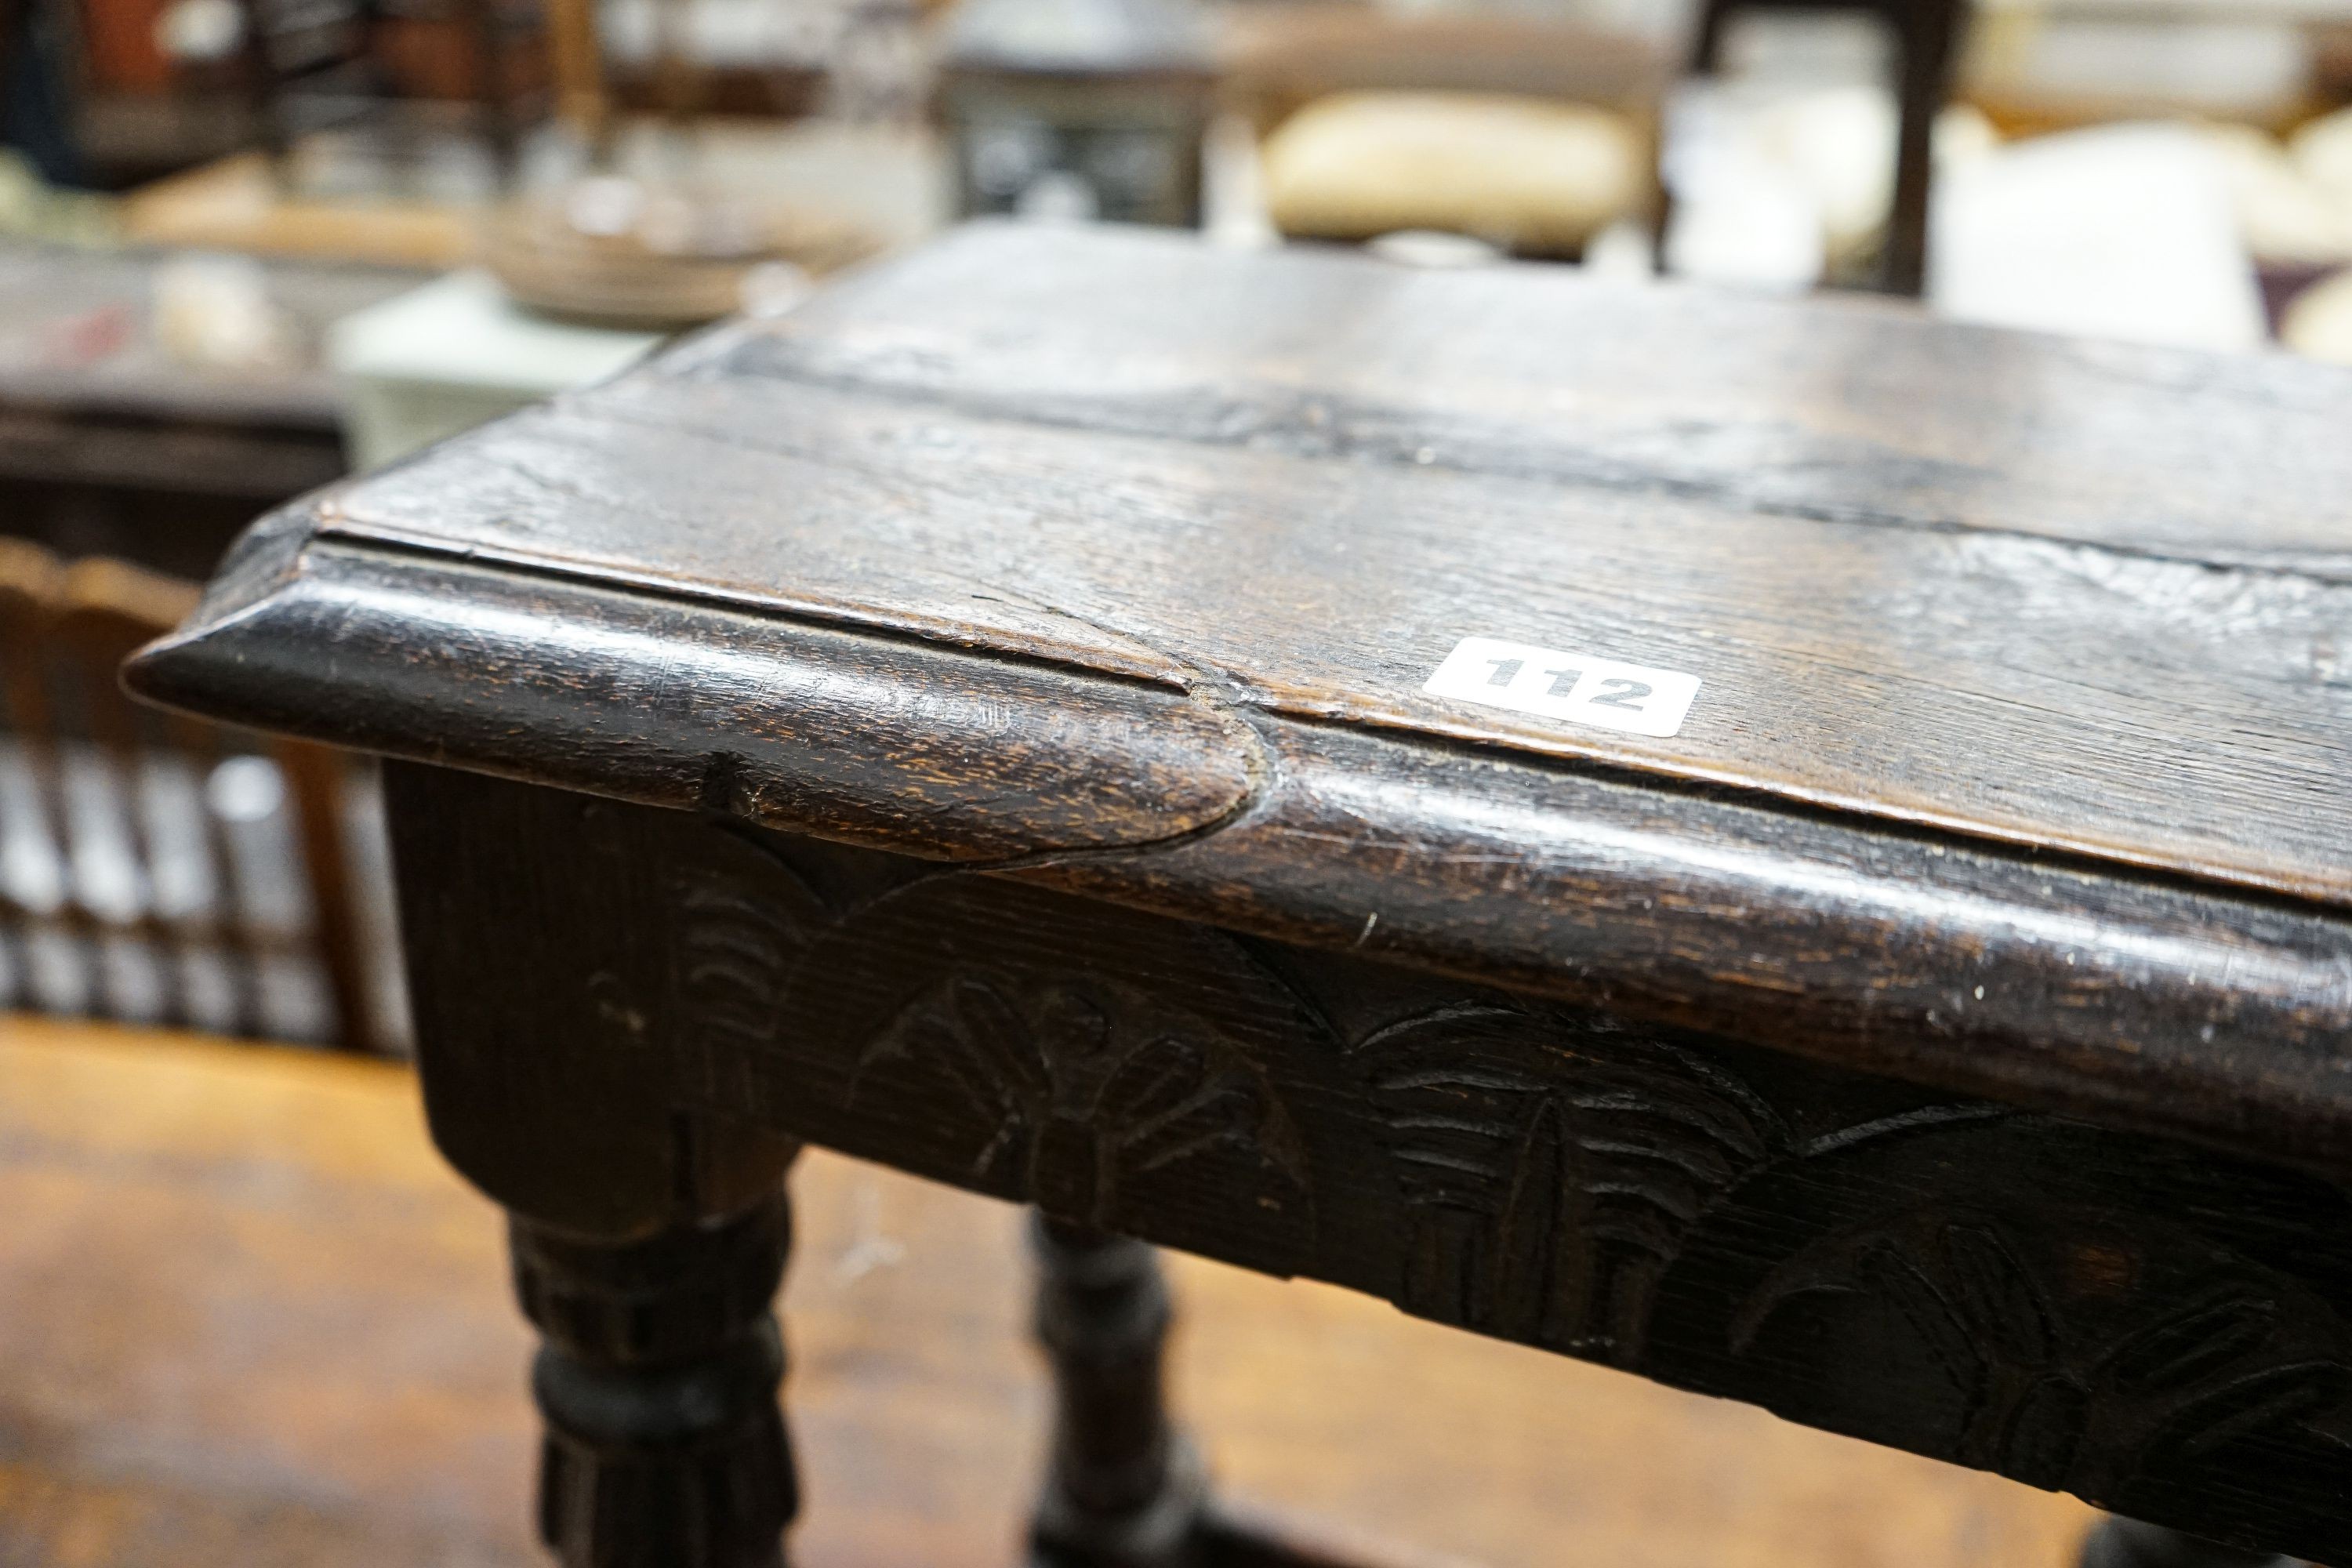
1614, 693
1565, 684
1563, 681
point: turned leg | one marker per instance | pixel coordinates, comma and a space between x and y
657, 1377
2120, 1542
1123, 1490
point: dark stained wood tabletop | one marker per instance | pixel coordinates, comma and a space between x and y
1302, 496
2023, 665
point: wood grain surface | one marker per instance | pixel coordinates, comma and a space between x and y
254, 1321
2054, 592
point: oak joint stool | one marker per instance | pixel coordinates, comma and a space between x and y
1787, 847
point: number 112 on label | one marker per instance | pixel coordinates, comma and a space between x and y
1555, 683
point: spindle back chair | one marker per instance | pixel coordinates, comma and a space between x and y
123, 890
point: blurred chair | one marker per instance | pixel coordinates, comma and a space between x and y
311, 60
154, 868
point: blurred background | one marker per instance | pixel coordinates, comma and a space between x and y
249, 246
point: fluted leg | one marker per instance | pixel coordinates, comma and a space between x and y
1123, 1490
658, 1376
2120, 1542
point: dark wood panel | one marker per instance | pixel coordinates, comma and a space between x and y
2045, 982
257, 468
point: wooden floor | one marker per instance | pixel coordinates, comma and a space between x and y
248, 1319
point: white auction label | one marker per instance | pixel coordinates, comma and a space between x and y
1558, 684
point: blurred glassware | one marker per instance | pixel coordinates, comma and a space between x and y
1787, 184
878, 66
2121, 231
214, 312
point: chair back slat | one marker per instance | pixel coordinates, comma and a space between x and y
159, 872
25, 574
103, 612
36, 871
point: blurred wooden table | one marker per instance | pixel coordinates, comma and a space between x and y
252, 1321
110, 446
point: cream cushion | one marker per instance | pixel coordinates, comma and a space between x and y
1527, 173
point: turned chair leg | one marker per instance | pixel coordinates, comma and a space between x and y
2119, 1542
1927, 38
1124, 1490
657, 1377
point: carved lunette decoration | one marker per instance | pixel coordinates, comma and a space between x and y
1088, 1086
1707, 1214
1550, 1185
2084, 1352
1031, 1076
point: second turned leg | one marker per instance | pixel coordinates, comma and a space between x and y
1123, 1490
657, 1378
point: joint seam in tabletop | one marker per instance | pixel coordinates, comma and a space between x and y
830, 615
1351, 432
2322, 572
834, 612
1221, 696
